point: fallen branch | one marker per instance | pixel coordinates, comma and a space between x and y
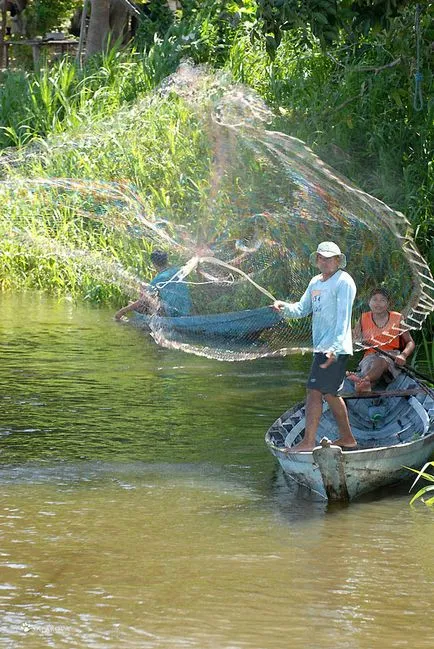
374, 69
131, 7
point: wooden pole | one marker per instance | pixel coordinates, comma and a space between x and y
83, 34
3, 36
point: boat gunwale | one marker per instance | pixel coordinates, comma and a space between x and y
372, 449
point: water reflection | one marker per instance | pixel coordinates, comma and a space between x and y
139, 506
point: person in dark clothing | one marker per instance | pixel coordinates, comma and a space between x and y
165, 294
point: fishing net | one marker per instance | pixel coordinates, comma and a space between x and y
238, 229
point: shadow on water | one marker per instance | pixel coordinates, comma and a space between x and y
292, 501
274, 494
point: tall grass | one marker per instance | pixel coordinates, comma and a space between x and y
68, 122
87, 238
63, 97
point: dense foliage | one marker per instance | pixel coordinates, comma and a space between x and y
75, 242
324, 19
156, 20
45, 15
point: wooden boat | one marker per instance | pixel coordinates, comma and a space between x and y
394, 429
236, 325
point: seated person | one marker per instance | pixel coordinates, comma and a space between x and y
382, 330
162, 296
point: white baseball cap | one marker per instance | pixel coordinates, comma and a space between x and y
329, 249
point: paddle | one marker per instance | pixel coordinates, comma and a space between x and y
383, 393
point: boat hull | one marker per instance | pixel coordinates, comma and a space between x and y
338, 475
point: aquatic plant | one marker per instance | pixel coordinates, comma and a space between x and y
423, 493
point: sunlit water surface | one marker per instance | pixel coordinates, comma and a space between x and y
140, 507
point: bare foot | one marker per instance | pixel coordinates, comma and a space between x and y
301, 447
363, 385
345, 443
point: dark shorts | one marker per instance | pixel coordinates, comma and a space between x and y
330, 380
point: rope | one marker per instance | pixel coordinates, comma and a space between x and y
218, 262
180, 275
418, 76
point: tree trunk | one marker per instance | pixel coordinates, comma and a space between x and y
99, 27
119, 19
21, 5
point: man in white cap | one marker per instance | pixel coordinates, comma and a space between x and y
329, 298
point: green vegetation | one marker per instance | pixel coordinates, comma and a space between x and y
45, 15
425, 491
64, 98
75, 238
353, 102
326, 19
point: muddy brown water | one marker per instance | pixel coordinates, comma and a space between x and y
140, 507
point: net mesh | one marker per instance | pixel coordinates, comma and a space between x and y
262, 202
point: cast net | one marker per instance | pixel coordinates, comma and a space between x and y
238, 220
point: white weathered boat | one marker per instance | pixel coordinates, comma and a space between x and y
394, 429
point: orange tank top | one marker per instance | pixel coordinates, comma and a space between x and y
386, 338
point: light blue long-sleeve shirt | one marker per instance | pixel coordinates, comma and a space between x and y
330, 302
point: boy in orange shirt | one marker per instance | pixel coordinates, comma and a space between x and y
380, 330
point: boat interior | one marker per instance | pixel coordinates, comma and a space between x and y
397, 413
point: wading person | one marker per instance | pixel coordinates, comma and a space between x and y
329, 298
381, 330
162, 296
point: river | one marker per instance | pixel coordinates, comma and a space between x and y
140, 507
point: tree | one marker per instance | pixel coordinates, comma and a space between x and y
43, 16
16, 9
118, 21
108, 22
326, 18
99, 25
